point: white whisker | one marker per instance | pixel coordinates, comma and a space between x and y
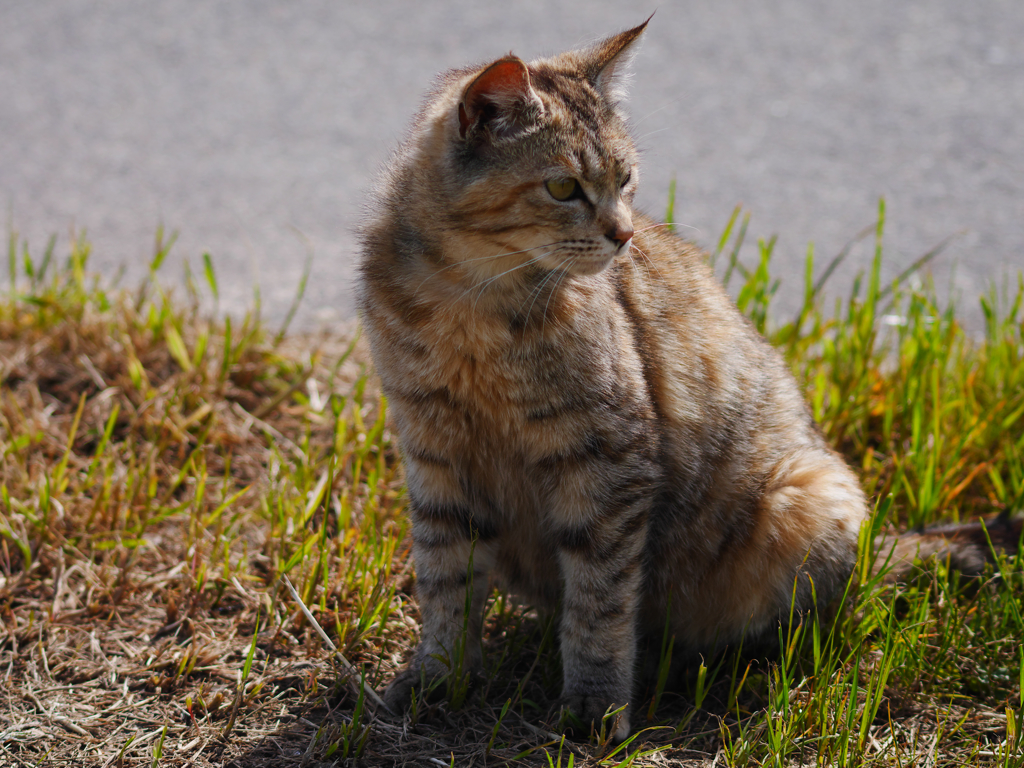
653, 226
666, 224
633, 262
486, 258
537, 292
647, 262
651, 133
554, 289
670, 103
483, 285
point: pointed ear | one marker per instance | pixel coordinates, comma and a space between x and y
500, 99
609, 60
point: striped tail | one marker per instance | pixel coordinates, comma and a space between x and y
965, 546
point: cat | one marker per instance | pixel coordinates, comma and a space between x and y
584, 416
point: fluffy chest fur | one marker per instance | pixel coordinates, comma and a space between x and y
522, 383
501, 399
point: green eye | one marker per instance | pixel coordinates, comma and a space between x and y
562, 189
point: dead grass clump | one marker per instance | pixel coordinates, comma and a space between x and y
159, 472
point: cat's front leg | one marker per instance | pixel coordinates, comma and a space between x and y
602, 525
452, 548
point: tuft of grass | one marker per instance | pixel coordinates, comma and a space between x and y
167, 480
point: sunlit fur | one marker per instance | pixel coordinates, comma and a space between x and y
585, 417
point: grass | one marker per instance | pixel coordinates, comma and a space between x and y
167, 479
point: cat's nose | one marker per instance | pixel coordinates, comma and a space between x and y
619, 234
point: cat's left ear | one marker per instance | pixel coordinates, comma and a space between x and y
609, 60
500, 100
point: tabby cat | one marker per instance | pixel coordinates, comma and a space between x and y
585, 417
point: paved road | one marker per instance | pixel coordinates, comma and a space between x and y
254, 128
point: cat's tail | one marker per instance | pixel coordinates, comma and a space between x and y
967, 547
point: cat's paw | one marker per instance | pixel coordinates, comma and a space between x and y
398, 696
586, 715
430, 686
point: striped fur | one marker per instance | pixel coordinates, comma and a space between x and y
584, 415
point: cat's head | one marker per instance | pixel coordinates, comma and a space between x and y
533, 163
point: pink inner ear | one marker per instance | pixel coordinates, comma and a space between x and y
499, 79
501, 82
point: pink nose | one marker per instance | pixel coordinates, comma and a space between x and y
619, 235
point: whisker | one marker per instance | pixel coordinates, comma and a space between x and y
666, 105
486, 258
483, 285
537, 292
647, 262
512, 253
636, 271
651, 133
652, 226
666, 224
633, 262
647, 266
554, 289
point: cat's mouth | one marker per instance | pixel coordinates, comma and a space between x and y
595, 254
589, 264
590, 259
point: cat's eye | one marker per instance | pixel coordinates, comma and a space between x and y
625, 181
563, 189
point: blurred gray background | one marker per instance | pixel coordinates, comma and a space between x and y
254, 129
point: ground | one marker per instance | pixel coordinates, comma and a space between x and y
165, 476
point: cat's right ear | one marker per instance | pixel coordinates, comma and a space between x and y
500, 100
610, 58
